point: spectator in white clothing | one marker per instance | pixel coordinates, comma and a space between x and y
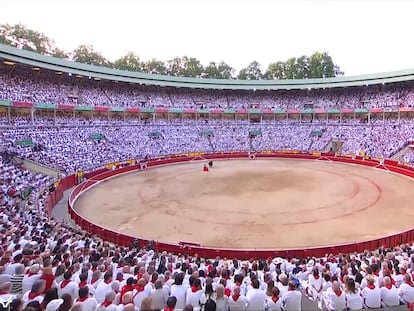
237, 302
179, 291
334, 297
255, 297
352, 297
406, 290
292, 299
389, 294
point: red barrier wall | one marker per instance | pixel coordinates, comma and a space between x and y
127, 240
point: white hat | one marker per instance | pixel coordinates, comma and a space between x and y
54, 304
311, 263
277, 260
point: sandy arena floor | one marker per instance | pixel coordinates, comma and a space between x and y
254, 204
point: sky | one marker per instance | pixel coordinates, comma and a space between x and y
362, 36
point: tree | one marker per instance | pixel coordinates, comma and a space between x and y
218, 71
251, 72
226, 71
87, 54
242, 74
155, 66
60, 53
130, 62
302, 67
318, 65
321, 65
275, 71
185, 67
27, 39
290, 68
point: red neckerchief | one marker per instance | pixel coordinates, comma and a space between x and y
94, 281
82, 284
126, 288
49, 278
392, 281
371, 286
4, 293
119, 266
227, 292
168, 309
194, 289
120, 279
29, 274
409, 283
64, 283
275, 299
106, 303
82, 299
108, 281
238, 284
235, 297
291, 289
338, 292
139, 288
389, 286
316, 277
376, 273
33, 295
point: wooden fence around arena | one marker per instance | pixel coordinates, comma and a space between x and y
92, 178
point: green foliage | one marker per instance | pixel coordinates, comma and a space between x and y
218, 71
318, 65
251, 72
185, 67
28, 39
155, 66
87, 54
130, 62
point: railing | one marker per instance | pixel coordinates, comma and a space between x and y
127, 240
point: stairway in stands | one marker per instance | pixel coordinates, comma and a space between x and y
211, 144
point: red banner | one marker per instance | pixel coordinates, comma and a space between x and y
22, 104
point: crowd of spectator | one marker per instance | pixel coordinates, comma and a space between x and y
46, 265
24, 84
68, 146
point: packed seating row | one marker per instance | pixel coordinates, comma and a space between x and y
21, 83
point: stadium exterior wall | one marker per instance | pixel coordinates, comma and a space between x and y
127, 240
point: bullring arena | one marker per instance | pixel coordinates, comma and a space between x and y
261, 203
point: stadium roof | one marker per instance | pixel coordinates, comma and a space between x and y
57, 64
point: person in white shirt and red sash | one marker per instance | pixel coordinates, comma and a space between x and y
389, 294
334, 297
371, 294
237, 302
406, 292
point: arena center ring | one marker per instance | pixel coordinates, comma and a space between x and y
125, 239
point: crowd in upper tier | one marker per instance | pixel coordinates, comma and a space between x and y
20, 83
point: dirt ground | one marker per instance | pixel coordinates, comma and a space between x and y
254, 203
